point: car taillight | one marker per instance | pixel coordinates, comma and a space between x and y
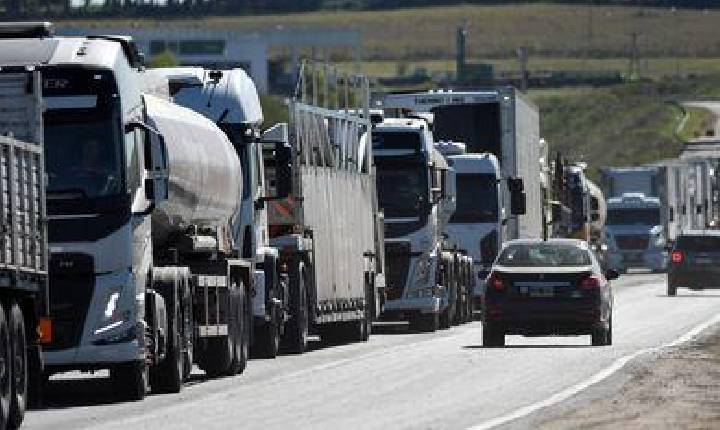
590, 282
496, 283
677, 257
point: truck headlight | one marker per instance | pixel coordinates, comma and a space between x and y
660, 240
113, 317
423, 268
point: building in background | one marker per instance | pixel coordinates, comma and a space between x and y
253, 51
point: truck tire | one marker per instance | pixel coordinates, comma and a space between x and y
267, 336
131, 380
296, 332
445, 319
671, 290
19, 364
267, 339
425, 323
241, 338
6, 378
220, 355
168, 375
493, 336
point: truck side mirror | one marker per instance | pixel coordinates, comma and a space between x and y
517, 203
516, 185
155, 161
277, 140
283, 171
436, 194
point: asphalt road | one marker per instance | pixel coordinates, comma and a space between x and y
396, 380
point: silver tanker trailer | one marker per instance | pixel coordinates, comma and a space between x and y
142, 200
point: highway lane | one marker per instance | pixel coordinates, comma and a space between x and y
440, 380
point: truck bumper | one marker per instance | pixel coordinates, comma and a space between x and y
656, 260
402, 308
94, 356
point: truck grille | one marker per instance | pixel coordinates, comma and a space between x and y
635, 242
397, 261
71, 288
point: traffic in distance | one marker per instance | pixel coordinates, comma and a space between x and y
157, 228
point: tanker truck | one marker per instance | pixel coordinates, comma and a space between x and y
23, 260
145, 277
229, 98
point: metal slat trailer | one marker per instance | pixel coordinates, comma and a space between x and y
23, 235
327, 231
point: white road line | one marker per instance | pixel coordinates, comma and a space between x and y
598, 377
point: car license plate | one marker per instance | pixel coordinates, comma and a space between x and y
541, 292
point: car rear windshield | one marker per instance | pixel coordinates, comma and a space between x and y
699, 243
544, 255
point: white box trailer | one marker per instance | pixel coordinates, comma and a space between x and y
500, 121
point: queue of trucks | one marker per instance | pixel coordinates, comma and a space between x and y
154, 222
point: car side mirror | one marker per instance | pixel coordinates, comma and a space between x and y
611, 274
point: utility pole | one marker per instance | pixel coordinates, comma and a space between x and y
460, 54
633, 54
522, 53
590, 34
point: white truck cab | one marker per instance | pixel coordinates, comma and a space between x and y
634, 233
413, 185
477, 225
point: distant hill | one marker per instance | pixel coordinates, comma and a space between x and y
127, 8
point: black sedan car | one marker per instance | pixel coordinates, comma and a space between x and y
695, 261
553, 287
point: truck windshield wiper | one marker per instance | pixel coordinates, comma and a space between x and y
66, 193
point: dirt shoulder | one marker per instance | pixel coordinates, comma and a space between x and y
678, 388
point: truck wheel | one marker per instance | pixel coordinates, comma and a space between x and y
167, 376
220, 356
671, 290
425, 323
19, 367
296, 333
268, 339
6, 378
493, 336
267, 336
445, 319
242, 333
131, 380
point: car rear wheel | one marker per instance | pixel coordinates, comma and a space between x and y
602, 336
671, 290
493, 336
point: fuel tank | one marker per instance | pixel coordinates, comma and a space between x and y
205, 177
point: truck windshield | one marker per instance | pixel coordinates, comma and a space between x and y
476, 199
83, 140
402, 188
647, 216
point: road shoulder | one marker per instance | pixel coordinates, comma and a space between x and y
675, 388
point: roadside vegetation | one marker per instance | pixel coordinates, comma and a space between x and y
697, 123
622, 125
